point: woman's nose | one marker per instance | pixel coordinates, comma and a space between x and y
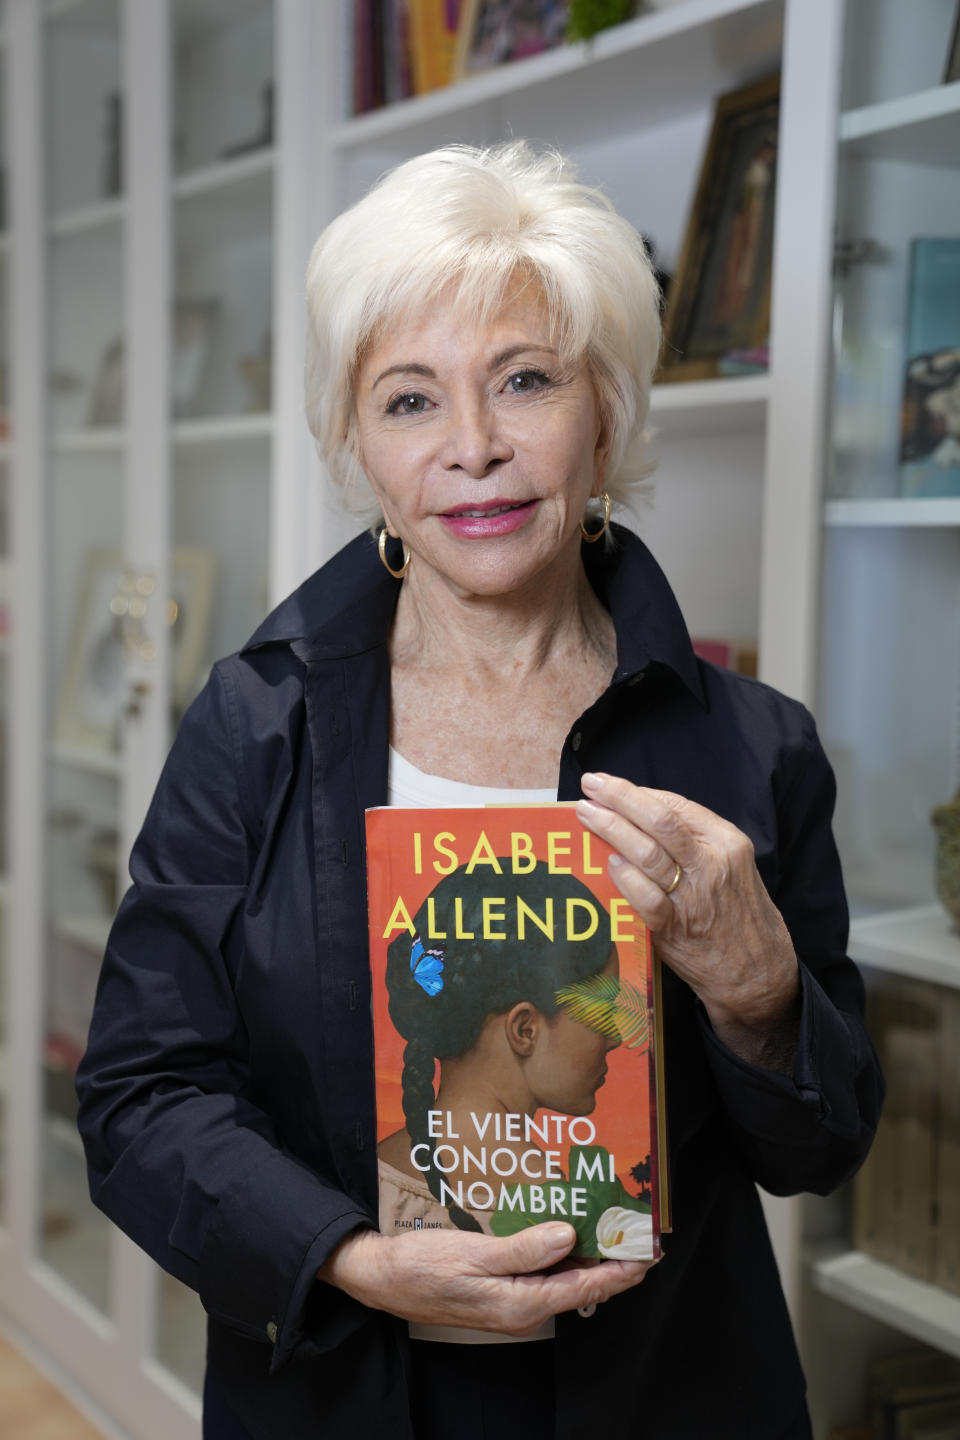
473, 441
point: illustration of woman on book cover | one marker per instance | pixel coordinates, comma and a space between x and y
519, 1028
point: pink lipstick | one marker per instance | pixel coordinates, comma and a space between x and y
488, 519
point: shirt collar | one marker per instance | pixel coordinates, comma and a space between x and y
347, 607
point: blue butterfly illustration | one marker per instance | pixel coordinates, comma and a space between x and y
427, 966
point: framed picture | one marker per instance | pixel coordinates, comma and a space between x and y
952, 68
195, 328
495, 31
106, 397
108, 624
719, 301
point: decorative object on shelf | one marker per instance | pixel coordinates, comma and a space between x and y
106, 397
256, 371
111, 175
951, 71
263, 138
946, 822
110, 626
195, 325
720, 297
930, 430
493, 32
588, 17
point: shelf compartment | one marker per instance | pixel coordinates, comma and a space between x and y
894, 511
86, 218
926, 1312
210, 179
97, 440
89, 931
656, 68
921, 129
918, 941
712, 405
223, 429
77, 757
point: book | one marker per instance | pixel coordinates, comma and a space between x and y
433, 30
930, 428
517, 1036
738, 655
911, 1394
894, 1210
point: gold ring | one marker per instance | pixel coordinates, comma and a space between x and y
676, 879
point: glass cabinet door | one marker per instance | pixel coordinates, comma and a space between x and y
91, 598
222, 167
890, 704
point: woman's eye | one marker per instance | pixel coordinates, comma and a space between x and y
526, 380
413, 403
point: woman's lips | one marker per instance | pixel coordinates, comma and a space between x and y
494, 517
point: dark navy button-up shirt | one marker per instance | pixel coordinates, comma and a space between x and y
226, 1097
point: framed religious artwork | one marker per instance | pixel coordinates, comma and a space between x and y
718, 310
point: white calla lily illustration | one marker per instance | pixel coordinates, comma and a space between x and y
625, 1234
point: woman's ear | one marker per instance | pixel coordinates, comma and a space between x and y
521, 1026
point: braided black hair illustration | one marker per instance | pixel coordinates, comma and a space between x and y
480, 977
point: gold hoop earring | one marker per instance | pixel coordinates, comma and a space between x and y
382, 547
592, 535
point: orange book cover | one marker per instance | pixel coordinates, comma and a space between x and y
519, 1060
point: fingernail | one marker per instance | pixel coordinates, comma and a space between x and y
590, 781
587, 807
558, 1234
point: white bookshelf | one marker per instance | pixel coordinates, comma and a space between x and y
925, 1312
710, 405
223, 429
921, 129
919, 942
894, 511
88, 219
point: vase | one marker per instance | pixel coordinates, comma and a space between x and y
946, 822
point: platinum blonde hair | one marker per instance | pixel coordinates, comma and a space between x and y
480, 221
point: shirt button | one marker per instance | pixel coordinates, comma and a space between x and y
576, 740
586, 1311
635, 679
272, 1331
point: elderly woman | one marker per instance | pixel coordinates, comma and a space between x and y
483, 332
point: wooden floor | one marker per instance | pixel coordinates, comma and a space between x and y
31, 1408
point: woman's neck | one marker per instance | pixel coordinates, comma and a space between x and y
553, 620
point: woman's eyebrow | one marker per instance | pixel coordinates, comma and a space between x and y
406, 367
502, 357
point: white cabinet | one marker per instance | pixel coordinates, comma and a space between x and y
142, 162
170, 163
889, 679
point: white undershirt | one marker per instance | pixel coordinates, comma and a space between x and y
406, 785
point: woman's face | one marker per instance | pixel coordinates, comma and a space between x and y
481, 447
569, 1063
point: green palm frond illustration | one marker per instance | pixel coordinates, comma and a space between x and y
609, 1006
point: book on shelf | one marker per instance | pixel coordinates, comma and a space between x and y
930, 429
905, 1206
732, 654
915, 1396
517, 1036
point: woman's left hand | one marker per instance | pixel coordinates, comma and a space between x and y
692, 877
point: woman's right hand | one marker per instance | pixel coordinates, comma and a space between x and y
443, 1277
